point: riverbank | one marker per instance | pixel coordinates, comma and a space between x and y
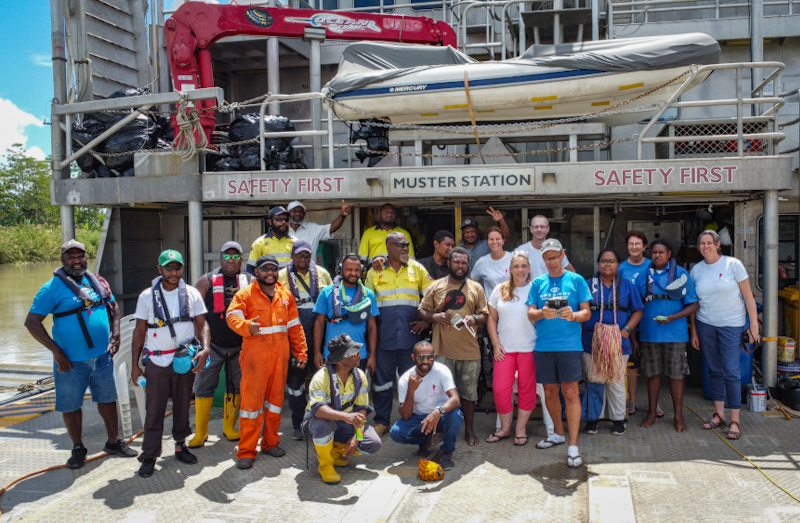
38, 243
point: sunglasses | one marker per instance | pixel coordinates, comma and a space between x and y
424, 357
304, 256
234, 257
279, 219
268, 268
402, 245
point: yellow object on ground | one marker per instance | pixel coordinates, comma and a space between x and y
232, 403
326, 470
202, 408
789, 295
430, 471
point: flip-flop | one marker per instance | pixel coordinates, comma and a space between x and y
499, 438
520, 444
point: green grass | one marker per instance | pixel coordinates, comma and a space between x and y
38, 243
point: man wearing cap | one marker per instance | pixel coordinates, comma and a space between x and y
85, 338
559, 302
265, 315
470, 236
540, 228
456, 306
218, 288
276, 242
349, 307
305, 280
373, 241
399, 287
172, 332
436, 264
313, 232
336, 415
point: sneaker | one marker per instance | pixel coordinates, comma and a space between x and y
120, 448
590, 427
447, 460
619, 428
275, 452
147, 468
78, 456
182, 454
245, 463
298, 435
425, 447
380, 429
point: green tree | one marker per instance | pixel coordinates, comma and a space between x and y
25, 194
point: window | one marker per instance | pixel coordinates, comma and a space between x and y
374, 3
787, 250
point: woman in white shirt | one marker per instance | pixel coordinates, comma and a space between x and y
723, 288
513, 338
492, 269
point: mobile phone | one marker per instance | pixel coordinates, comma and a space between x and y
661, 318
457, 321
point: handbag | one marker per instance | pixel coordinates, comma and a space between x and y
606, 364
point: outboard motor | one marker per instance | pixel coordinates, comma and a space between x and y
377, 139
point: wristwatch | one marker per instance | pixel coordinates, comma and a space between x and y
627, 329
441, 410
475, 318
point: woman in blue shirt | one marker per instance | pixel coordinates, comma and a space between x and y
617, 300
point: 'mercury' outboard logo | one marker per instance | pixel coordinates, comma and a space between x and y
259, 17
408, 88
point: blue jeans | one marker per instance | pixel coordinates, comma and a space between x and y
388, 362
97, 374
720, 348
409, 431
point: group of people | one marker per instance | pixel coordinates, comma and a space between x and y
383, 314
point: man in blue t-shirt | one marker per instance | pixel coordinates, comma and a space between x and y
354, 316
85, 337
664, 331
559, 302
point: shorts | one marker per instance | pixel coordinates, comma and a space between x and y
97, 374
668, 358
559, 366
465, 373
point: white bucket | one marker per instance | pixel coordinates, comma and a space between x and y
757, 399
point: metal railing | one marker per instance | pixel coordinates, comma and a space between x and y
756, 100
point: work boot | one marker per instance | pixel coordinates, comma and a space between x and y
232, 404
380, 429
245, 463
182, 454
339, 458
326, 470
275, 452
202, 408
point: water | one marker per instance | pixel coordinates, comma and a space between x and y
18, 285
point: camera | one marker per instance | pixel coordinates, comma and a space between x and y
557, 303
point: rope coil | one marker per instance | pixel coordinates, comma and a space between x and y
190, 138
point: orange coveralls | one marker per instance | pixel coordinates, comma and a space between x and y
264, 360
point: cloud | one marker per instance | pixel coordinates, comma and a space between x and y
41, 59
12, 129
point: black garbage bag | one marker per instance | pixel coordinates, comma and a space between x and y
135, 135
249, 157
227, 164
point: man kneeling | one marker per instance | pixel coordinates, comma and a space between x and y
429, 406
337, 409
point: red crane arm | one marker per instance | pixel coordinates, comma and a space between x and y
195, 26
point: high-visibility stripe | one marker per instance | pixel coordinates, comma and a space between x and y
381, 388
293, 322
397, 302
347, 397
272, 408
218, 288
318, 394
296, 392
250, 414
395, 292
236, 312
323, 441
274, 329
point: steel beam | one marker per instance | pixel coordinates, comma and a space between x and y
195, 240
315, 36
769, 359
147, 100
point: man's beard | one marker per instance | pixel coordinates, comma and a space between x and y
295, 222
457, 276
77, 275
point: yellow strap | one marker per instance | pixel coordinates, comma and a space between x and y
472, 115
763, 338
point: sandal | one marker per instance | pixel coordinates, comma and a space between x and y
551, 441
495, 435
734, 434
517, 438
574, 461
715, 421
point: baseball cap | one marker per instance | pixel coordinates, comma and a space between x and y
72, 244
295, 204
231, 245
551, 244
267, 259
342, 347
169, 256
469, 222
300, 246
278, 209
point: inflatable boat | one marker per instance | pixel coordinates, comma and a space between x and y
417, 84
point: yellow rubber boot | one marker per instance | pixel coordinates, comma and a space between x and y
232, 404
339, 459
202, 407
326, 470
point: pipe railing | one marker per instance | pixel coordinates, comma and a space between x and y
771, 114
632, 8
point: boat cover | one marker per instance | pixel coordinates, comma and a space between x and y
363, 63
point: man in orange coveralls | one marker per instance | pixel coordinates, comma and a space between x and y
265, 314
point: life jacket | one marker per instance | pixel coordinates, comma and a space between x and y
596, 288
218, 289
313, 292
674, 289
336, 398
357, 301
162, 315
87, 302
